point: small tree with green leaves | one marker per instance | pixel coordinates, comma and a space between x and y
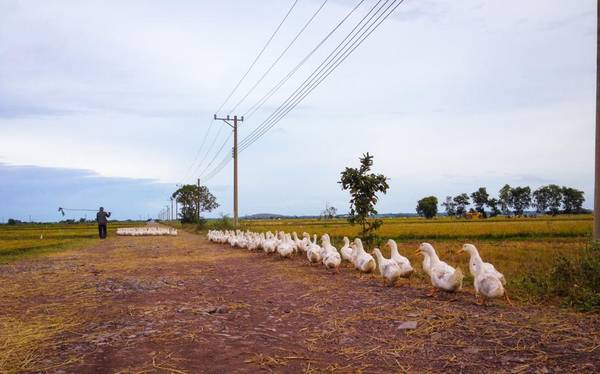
480, 199
427, 207
520, 199
363, 187
329, 213
462, 202
541, 198
194, 200
492, 203
450, 206
505, 200
572, 200
555, 197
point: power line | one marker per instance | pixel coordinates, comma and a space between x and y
275, 88
315, 73
279, 57
187, 174
257, 57
218, 168
326, 67
216, 154
210, 148
321, 72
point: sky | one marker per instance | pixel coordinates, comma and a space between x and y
110, 102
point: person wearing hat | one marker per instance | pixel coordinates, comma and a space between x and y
101, 218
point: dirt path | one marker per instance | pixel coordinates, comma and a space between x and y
147, 304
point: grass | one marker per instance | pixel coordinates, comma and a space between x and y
32, 240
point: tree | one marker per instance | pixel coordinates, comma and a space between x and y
427, 207
450, 206
540, 199
194, 200
329, 213
493, 205
461, 201
572, 200
480, 199
363, 187
520, 199
555, 197
504, 199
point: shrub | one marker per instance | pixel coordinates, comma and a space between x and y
575, 281
225, 223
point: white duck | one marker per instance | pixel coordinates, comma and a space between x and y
313, 251
303, 245
286, 247
331, 257
406, 268
475, 261
346, 250
488, 284
363, 261
443, 276
270, 243
388, 268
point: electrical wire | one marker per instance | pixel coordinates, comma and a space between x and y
316, 72
320, 73
312, 82
275, 88
199, 165
258, 56
279, 57
215, 156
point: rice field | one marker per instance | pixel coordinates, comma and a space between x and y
578, 226
29, 240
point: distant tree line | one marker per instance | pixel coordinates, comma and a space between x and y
551, 199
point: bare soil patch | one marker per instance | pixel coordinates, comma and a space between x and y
184, 305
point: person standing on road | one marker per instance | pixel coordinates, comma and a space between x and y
101, 218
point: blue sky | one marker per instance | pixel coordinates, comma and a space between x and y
107, 102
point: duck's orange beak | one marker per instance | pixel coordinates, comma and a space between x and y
460, 251
418, 252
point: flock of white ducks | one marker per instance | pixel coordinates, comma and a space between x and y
146, 231
488, 282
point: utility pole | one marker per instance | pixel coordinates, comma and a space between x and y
234, 126
597, 161
198, 202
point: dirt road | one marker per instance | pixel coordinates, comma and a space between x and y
181, 304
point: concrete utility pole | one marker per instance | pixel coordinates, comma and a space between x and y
597, 165
234, 126
198, 202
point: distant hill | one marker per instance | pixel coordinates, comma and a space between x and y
265, 216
